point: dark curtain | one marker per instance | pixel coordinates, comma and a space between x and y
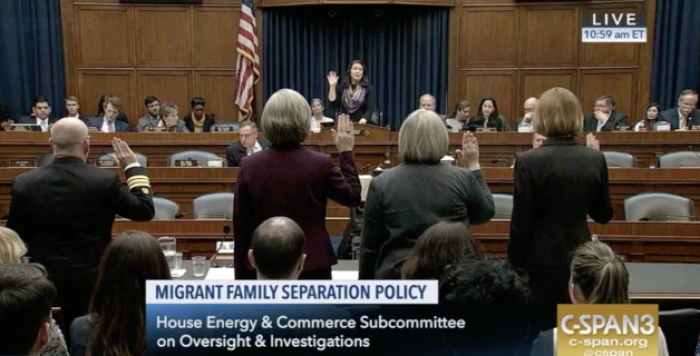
676, 63
403, 47
31, 55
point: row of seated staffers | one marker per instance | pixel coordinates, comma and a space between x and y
485, 300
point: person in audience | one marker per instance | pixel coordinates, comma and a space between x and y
651, 117
277, 249
441, 245
12, 249
529, 109
555, 187
5, 119
538, 140
109, 122
65, 211
487, 116
355, 97
406, 200
152, 118
598, 276
42, 114
116, 323
73, 108
197, 120
248, 144
317, 118
486, 292
102, 106
456, 121
686, 114
169, 117
26, 297
289, 180
604, 116
427, 102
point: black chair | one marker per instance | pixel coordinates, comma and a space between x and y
681, 328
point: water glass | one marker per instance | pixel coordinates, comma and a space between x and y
178, 260
198, 265
168, 245
447, 160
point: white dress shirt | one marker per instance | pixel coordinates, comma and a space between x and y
602, 123
255, 149
105, 125
43, 123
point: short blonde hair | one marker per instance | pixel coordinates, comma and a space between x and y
423, 138
558, 113
12, 248
166, 109
286, 118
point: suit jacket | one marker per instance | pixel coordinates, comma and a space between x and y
617, 119
296, 183
208, 121
65, 212
119, 126
500, 123
32, 120
146, 123
671, 115
406, 200
236, 152
555, 187
366, 108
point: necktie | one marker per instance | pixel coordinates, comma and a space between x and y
249, 151
44, 126
110, 126
683, 123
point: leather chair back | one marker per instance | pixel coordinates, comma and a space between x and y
504, 206
213, 206
45, 159
225, 126
658, 205
202, 157
165, 209
680, 159
681, 328
617, 159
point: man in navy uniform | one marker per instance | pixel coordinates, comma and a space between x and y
65, 211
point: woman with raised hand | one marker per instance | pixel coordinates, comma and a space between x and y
355, 96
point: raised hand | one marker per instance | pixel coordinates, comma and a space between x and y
345, 136
332, 79
123, 153
362, 121
592, 142
469, 154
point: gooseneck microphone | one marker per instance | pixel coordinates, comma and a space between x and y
227, 230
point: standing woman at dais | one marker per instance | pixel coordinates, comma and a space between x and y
355, 97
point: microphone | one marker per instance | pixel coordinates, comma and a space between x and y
500, 160
227, 230
653, 217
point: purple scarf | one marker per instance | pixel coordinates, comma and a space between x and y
351, 105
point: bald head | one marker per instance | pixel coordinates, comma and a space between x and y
529, 105
277, 249
427, 102
69, 138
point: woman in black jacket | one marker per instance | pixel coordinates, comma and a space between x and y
555, 187
355, 96
197, 120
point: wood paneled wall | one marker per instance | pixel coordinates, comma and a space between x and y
132, 51
513, 50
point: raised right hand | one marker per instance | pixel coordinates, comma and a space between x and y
332, 79
122, 153
345, 136
469, 154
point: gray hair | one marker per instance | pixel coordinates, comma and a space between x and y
429, 97
423, 138
166, 109
286, 118
316, 100
248, 123
687, 92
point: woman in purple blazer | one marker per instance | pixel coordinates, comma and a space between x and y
291, 181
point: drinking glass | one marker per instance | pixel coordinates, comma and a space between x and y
178, 260
168, 245
198, 265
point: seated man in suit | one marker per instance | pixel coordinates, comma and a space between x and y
109, 122
277, 249
248, 144
428, 102
42, 112
152, 119
685, 115
529, 108
73, 109
604, 116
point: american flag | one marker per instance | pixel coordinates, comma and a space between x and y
248, 64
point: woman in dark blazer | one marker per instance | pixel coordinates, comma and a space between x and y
198, 120
556, 186
406, 200
289, 180
487, 116
355, 96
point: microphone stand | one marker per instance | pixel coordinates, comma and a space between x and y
215, 264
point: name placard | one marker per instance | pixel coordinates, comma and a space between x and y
156, 129
106, 163
486, 129
613, 26
186, 163
224, 129
24, 127
23, 163
622, 128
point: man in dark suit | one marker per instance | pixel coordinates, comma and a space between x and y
109, 122
604, 116
65, 211
42, 114
685, 115
291, 181
248, 144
